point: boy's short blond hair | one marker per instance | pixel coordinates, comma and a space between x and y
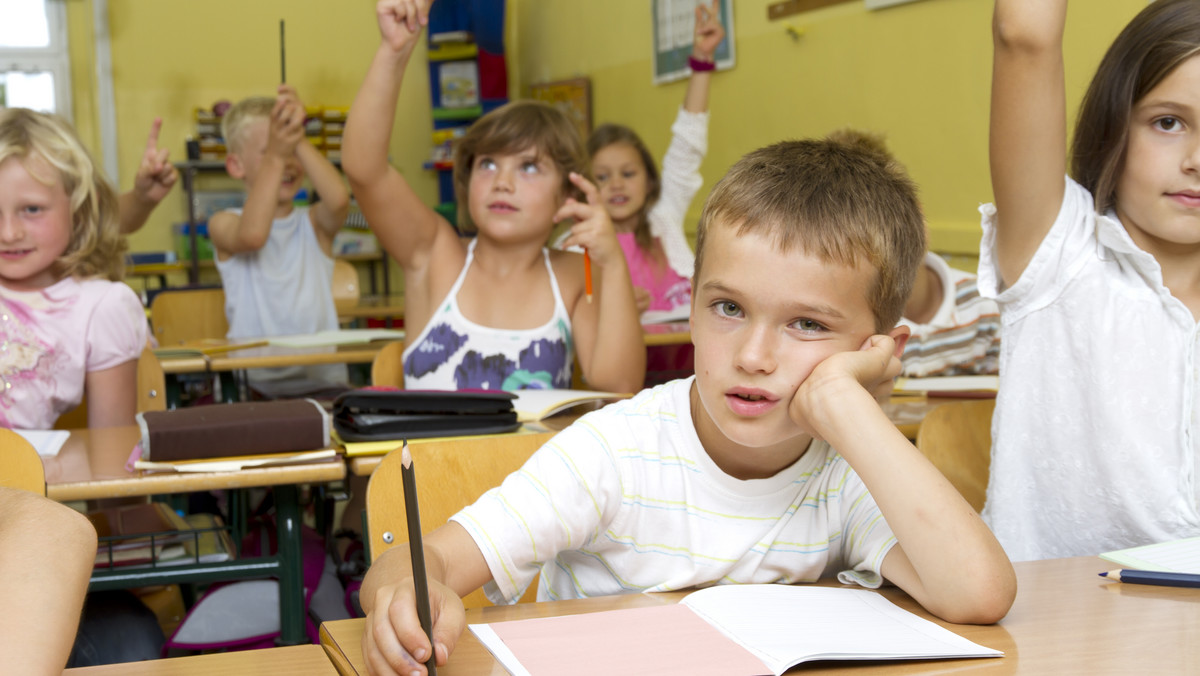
512, 128
240, 115
836, 201
40, 141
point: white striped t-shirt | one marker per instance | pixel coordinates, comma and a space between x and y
627, 500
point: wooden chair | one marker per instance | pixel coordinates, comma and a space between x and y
151, 393
451, 474
22, 467
957, 439
180, 315
388, 366
346, 291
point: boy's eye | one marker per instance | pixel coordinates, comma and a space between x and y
808, 325
530, 168
486, 163
1168, 123
727, 308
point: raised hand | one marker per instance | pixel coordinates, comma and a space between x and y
155, 175
708, 32
400, 22
286, 125
593, 229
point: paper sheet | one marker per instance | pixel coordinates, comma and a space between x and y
1176, 556
47, 442
337, 337
948, 384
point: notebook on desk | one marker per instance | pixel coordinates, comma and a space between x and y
726, 630
1176, 556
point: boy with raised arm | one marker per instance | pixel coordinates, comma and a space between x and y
276, 259
773, 464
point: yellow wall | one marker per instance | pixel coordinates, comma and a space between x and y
919, 73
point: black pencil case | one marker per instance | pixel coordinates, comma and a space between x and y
377, 415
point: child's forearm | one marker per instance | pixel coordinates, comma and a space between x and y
618, 362
133, 209
46, 555
330, 212
962, 573
368, 131
695, 99
258, 213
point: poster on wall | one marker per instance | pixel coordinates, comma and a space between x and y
674, 23
573, 97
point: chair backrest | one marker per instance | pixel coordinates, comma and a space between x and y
451, 474
957, 439
151, 393
346, 290
188, 314
22, 467
388, 366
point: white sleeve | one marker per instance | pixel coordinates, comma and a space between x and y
681, 180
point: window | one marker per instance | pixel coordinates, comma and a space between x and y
34, 64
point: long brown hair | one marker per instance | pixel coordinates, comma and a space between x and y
608, 134
1152, 45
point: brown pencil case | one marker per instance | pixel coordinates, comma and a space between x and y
224, 430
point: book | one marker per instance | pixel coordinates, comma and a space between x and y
1176, 556
965, 387
537, 405
45, 442
726, 630
235, 463
126, 532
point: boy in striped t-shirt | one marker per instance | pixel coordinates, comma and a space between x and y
805, 256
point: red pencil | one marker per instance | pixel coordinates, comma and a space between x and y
587, 275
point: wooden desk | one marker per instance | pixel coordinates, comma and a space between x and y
91, 465
298, 659
670, 333
371, 307
1065, 620
268, 356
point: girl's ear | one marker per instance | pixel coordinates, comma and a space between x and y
233, 165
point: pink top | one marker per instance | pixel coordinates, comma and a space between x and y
51, 338
667, 288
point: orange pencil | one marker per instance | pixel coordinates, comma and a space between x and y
587, 275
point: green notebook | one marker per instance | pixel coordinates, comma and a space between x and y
1176, 556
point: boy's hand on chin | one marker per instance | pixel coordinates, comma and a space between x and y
873, 368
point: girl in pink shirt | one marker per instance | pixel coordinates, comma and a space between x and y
68, 325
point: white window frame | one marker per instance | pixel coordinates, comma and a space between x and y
55, 58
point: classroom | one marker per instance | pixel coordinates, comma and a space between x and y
918, 73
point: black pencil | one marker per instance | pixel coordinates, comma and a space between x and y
417, 551
1154, 577
282, 55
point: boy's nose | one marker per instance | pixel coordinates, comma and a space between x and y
756, 354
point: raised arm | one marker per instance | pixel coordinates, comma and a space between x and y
706, 38
1027, 145
155, 178
329, 214
232, 233
46, 556
946, 559
606, 330
454, 566
405, 225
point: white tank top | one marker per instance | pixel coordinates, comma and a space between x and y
454, 353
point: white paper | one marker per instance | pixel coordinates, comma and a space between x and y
676, 314
47, 442
499, 649
948, 384
337, 337
780, 622
233, 465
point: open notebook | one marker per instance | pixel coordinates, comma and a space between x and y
727, 630
1176, 556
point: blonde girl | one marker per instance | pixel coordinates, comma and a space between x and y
497, 310
1098, 278
68, 325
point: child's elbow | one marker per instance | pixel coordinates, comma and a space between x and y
1015, 34
986, 602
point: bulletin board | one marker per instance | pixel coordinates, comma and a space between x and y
674, 22
573, 97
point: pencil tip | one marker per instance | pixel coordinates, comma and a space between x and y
405, 456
